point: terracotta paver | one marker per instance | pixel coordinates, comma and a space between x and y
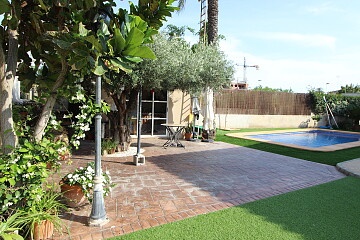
177, 183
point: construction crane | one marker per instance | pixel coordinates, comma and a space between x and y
247, 66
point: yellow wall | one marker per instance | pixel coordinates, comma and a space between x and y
179, 107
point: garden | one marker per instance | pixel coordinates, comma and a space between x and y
58, 51
58, 54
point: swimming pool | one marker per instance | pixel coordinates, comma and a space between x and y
317, 140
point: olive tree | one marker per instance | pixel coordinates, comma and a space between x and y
178, 65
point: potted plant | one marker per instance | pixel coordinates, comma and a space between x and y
188, 132
316, 119
77, 186
112, 146
108, 146
42, 217
104, 147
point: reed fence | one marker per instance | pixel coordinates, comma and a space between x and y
262, 103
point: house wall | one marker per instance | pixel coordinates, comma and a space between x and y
236, 121
179, 107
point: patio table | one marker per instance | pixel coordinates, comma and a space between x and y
174, 131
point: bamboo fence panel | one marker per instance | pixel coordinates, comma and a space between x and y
262, 103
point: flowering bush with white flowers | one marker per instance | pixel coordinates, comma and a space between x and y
83, 120
84, 176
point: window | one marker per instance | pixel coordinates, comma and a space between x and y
154, 111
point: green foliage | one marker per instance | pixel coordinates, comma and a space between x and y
154, 12
268, 89
4, 6
22, 174
174, 32
189, 128
84, 118
352, 88
340, 105
179, 66
25, 169
9, 226
108, 145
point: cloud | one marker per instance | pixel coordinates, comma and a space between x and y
326, 7
311, 40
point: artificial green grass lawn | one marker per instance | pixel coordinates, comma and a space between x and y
329, 158
327, 211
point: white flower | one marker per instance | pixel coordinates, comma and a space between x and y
85, 127
79, 96
76, 143
15, 160
38, 197
53, 122
62, 150
80, 136
80, 116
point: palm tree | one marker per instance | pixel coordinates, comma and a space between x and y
213, 14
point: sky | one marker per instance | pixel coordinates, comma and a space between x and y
298, 45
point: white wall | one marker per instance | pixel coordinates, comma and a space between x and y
232, 121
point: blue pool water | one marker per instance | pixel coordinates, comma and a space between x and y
312, 139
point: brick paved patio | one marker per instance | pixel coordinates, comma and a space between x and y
178, 183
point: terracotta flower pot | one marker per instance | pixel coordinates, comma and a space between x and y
73, 195
188, 136
44, 230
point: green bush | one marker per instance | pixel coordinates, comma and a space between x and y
23, 172
347, 107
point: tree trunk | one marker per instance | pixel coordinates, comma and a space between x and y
122, 118
114, 126
49, 105
213, 14
7, 133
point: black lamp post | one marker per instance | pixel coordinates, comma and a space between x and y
98, 214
